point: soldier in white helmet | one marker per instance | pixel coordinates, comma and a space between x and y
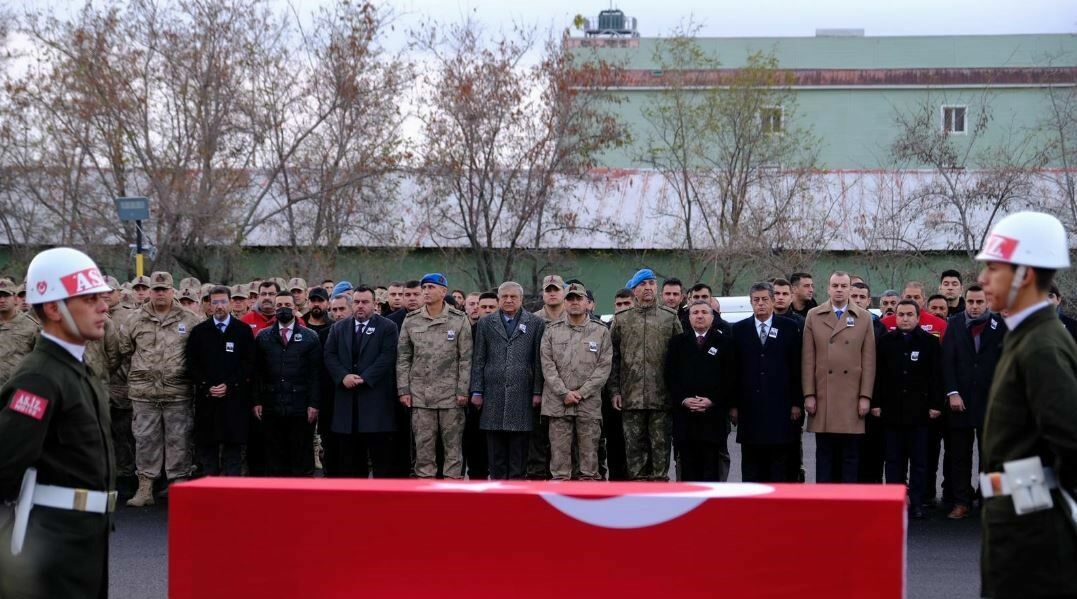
1030, 432
55, 449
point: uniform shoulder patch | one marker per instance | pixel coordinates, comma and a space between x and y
28, 404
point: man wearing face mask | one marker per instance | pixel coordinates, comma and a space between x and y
220, 362
264, 315
288, 362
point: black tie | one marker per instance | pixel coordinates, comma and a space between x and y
360, 329
220, 326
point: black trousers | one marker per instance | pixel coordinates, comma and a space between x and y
219, 459
795, 462
289, 445
837, 457
873, 451
959, 461
936, 431
613, 436
330, 452
538, 454
358, 452
701, 461
508, 454
906, 451
476, 460
766, 463
256, 448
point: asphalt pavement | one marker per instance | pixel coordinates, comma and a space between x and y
943, 555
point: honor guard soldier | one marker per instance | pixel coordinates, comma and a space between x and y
1030, 432
55, 441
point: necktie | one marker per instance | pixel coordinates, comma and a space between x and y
977, 330
762, 333
220, 326
838, 313
284, 336
700, 339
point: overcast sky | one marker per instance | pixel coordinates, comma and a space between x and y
742, 17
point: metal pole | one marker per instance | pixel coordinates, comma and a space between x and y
138, 249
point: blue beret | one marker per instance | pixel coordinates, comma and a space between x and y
643, 274
342, 287
436, 278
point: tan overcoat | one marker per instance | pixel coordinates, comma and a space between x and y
838, 367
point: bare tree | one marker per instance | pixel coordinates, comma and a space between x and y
971, 183
505, 142
743, 173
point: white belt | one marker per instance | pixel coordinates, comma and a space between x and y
79, 500
999, 484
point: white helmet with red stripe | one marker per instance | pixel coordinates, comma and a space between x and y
60, 273
1028, 239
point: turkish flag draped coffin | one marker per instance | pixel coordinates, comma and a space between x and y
269, 538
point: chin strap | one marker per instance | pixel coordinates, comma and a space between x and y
68, 321
1015, 286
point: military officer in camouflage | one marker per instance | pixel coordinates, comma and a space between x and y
154, 338
640, 338
17, 331
433, 370
577, 356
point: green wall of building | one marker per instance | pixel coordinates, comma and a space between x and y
604, 272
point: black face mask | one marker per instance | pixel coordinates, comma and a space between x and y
285, 315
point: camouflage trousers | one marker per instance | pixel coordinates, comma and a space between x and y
647, 443
163, 440
427, 425
569, 433
123, 441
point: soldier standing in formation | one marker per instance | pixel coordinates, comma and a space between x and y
577, 356
55, 441
433, 369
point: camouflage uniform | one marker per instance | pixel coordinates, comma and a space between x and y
160, 393
434, 366
538, 452
575, 358
640, 338
16, 342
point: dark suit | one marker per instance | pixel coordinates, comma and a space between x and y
693, 369
968, 371
364, 418
908, 383
873, 449
289, 380
767, 387
221, 424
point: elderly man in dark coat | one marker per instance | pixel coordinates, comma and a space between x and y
220, 362
360, 355
506, 380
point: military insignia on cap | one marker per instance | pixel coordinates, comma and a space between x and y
999, 246
160, 278
42, 286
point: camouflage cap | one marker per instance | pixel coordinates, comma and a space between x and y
297, 283
112, 282
281, 283
126, 285
206, 288
8, 287
143, 281
161, 280
553, 281
188, 293
576, 289
190, 283
381, 296
239, 291
21, 290
127, 296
